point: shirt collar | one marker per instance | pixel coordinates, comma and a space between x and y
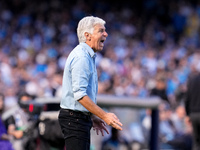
89, 49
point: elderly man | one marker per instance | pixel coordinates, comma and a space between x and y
79, 111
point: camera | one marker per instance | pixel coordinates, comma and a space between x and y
32, 107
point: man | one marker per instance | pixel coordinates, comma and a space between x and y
192, 105
19, 124
160, 89
79, 111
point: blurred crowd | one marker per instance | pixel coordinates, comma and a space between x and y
149, 41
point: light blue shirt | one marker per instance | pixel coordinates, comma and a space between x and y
79, 78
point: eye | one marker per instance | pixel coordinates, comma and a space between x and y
101, 30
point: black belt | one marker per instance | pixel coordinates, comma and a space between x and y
77, 113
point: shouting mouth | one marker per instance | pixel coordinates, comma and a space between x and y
102, 42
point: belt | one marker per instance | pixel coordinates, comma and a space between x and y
75, 112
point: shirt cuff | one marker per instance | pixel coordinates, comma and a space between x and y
79, 94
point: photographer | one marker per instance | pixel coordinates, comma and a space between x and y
19, 124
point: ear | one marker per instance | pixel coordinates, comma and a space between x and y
87, 36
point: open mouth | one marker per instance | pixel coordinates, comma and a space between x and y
102, 41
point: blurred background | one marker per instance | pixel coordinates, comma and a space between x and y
152, 47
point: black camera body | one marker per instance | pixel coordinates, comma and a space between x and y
32, 107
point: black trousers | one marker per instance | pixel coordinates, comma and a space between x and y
75, 127
195, 119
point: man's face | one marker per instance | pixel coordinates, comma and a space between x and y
96, 40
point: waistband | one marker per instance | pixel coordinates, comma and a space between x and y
75, 112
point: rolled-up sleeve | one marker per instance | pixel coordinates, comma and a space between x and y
80, 76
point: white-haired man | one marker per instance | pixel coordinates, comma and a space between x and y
79, 111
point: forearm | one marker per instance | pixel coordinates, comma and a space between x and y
92, 107
110, 118
16, 133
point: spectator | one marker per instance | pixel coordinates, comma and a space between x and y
170, 136
160, 89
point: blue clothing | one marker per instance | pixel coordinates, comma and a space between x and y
4, 144
79, 78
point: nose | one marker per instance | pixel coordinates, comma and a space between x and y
105, 34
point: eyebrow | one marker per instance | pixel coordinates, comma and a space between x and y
102, 29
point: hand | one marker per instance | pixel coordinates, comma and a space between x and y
112, 120
99, 125
187, 120
5, 137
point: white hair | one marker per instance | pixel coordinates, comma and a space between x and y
87, 25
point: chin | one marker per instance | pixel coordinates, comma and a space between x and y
99, 50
